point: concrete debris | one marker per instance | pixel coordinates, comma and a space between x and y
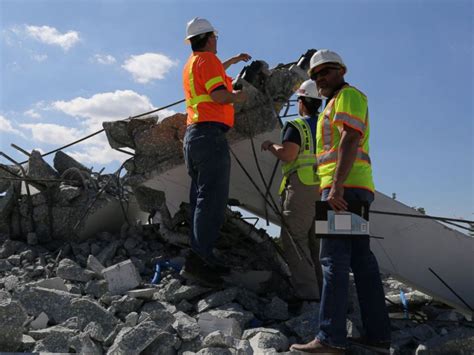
136, 339
40, 322
67, 202
121, 277
12, 317
69, 270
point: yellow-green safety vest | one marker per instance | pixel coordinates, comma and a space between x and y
349, 107
306, 162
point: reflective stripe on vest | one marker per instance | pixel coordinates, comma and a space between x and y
195, 100
306, 162
331, 156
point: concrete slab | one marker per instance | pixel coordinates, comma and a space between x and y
121, 277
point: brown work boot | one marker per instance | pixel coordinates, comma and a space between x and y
316, 347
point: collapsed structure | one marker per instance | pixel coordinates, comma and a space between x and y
79, 274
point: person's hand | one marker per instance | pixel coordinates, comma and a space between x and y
239, 96
266, 145
336, 198
242, 57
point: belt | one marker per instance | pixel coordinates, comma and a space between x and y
222, 126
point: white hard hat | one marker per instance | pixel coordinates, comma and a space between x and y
324, 56
308, 89
198, 26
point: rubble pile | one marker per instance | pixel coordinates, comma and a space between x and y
97, 297
66, 202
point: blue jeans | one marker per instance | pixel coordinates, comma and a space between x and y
207, 158
337, 256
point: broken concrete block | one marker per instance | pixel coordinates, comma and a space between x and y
131, 319
56, 304
121, 277
234, 311
135, 340
53, 343
46, 332
11, 282
186, 326
37, 168
218, 339
12, 317
214, 351
159, 314
54, 283
266, 338
40, 322
208, 323
277, 309
63, 162
125, 305
187, 293
165, 344
69, 270
108, 252
27, 343
217, 299
90, 311
95, 331
95, 265
83, 344
144, 293
97, 288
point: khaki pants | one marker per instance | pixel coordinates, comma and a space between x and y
298, 202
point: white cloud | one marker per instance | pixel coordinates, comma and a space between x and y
105, 59
52, 133
32, 113
149, 66
92, 111
6, 126
50, 35
39, 57
107, 106
98, 151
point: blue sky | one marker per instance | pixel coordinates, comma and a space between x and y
68, 65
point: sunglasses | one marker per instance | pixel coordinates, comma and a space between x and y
323, 72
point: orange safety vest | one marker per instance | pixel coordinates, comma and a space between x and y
203, 73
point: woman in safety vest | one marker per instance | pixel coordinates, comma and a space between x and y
299, 191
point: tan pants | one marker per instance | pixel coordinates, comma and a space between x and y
298, 202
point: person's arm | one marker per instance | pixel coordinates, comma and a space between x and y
346, 157
236, 59
286, 152
222, 96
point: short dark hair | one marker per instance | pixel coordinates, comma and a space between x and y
199, 42
312, 105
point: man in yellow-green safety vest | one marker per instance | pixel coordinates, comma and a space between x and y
300, 190
345, 170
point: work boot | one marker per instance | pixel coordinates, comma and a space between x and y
381, 347
316, 347
195, 269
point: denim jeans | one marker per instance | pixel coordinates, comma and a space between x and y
207, 158
337, 256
